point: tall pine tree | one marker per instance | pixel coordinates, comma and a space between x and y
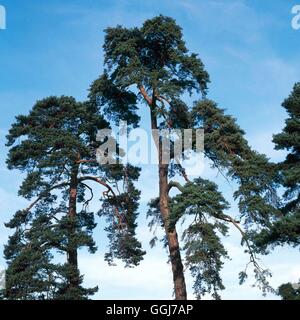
152, 65
285, 229
55, 146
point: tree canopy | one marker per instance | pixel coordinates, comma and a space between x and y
147, 68
55, 147
285, 228
151, 65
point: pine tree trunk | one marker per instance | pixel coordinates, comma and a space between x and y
72, 250
173, 243
172, 237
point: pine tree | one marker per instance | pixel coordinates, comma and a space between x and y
55, 146
285, 229
289, 292
152, 65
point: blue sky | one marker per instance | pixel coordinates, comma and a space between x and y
251, 53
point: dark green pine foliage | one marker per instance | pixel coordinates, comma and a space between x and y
151, 65
55, 147
286, 227
123, 242
204, 249
289, 292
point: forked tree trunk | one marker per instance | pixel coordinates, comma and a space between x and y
72, 250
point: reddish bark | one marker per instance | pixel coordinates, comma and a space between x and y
173, 243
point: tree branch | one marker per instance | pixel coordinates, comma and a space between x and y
43, 194
160, 98
253, 258
175, 184
145, 95
106, 195
85, 205
86, 161
95, 179
183, 172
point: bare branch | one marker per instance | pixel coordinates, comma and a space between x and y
85, 205
183, 172
86, 161
103, 183
253, 258
106, 195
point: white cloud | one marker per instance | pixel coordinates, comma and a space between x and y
151, 279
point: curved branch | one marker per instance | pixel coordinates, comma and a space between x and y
103, 183
106, 194
85, 205
175, 184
